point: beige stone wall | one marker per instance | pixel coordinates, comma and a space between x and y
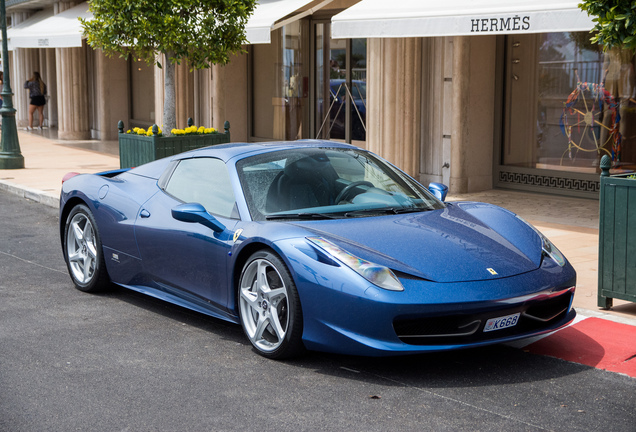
110, 103
234, 94
432, 106
210, 96
394, 101
184, 95
472, 138
202, 99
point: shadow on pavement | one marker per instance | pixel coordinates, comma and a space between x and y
485, 366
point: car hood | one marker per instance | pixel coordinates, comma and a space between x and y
462, 242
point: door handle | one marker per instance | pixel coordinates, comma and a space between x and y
144, 213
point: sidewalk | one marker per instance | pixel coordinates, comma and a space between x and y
571, 223
48, 160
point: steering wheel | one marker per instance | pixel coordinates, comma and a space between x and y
343, 193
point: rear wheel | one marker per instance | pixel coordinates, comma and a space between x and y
269, 307
83, 251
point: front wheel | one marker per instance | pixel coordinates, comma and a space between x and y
83, 251
269, 307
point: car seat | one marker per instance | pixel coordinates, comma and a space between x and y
305, 183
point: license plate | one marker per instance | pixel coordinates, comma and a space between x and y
501, 322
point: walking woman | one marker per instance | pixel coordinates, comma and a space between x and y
37, 91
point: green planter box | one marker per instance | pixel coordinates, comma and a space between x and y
135, 150
617, 238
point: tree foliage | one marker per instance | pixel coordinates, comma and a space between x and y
615, 22
203, 32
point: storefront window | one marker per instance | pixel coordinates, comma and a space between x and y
280, 82
568, 104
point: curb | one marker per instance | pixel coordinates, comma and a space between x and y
30, 193
587, 313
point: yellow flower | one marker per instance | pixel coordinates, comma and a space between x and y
140, 131
149, 133
201, 129
128, 131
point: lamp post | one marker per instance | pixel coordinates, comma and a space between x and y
10, 156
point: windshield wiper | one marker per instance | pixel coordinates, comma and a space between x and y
384, 211
301, 215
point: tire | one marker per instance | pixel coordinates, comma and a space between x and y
266, 286
83, 251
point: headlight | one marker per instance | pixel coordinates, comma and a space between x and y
547, 247
375, 273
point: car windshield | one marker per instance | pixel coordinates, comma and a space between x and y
315, 183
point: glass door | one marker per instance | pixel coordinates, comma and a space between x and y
340, 85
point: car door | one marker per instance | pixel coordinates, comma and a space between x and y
189, 256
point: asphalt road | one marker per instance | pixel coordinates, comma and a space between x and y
124, 362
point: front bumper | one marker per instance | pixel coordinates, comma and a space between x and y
344, 314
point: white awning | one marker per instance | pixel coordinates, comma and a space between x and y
45, 30
268, 14
422, 18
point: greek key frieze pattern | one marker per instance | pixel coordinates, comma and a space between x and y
549, 181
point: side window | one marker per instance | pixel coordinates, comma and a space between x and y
204, 181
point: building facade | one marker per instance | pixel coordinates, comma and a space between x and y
495, 94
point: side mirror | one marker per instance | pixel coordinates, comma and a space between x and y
196, 213
439, 190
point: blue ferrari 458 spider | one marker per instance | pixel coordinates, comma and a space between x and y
315, 245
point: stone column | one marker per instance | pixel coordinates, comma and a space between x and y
21, 71
72, 90
111, 78
184, 92
203, 97
23, 68
160, 94
460, 134
26, 61
473, 116
50, 114
218, 98
394, 101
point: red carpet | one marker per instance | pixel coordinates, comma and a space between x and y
593, 342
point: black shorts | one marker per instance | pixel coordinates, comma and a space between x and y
38, 100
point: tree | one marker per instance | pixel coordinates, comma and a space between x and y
167, 32
615, 22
